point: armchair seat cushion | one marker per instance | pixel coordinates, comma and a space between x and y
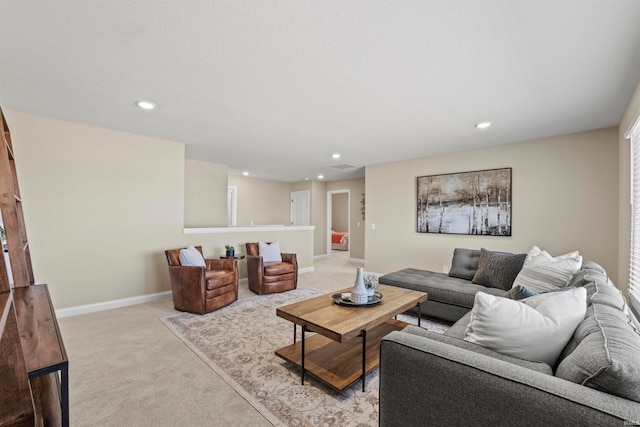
218, 278
277, 268
221, 290
278, 278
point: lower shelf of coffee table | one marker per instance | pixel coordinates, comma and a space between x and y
336, 364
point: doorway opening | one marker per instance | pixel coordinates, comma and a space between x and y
338, 221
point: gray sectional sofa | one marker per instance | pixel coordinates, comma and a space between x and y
431, 379
450, 295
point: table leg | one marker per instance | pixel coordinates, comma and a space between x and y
294, 332
419, 315
304, 329
64, 395
363, 333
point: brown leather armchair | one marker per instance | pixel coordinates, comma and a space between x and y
201, 290
270, 277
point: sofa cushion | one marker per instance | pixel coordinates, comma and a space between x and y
458, 329
536, 329
600, 290
464, 263
541, 272
498, 269
536, 366
439, 286
606, 357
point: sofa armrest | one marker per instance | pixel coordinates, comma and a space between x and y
456, 386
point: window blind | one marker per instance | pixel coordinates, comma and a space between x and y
634, 268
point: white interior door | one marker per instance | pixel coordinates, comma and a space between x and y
300, 208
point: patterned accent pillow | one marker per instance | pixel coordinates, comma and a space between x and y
541, 272
519, 292
498, 269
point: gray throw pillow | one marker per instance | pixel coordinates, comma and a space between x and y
498, 269
464, 263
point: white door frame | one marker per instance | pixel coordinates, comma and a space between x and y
308, 194
329, 213
232, 205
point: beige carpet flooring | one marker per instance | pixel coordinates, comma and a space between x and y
127, 369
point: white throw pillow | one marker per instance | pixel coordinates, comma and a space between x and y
191, 257
541, 272
536, 328
270, 252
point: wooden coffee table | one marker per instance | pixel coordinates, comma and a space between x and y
334, 355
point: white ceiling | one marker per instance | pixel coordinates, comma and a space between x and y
275, 87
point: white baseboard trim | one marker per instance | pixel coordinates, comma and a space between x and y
108, 305
320, 257
306, 270
356, 260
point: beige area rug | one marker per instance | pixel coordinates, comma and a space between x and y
239, 341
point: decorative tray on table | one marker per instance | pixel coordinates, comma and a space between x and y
344, 298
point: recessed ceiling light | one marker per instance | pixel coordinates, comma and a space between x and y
320, 176
245, 173
335, 156
483, 125
146, 105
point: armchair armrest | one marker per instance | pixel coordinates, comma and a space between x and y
292, 258
463, 386
190, 276
254, 273
187, 287
254, 261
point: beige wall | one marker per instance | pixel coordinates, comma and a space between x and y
262, 201
340, 212
101, 206
98, 205
319, 216
205, 194
565, 198
624, 208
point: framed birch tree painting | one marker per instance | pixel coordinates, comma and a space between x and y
477, 202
